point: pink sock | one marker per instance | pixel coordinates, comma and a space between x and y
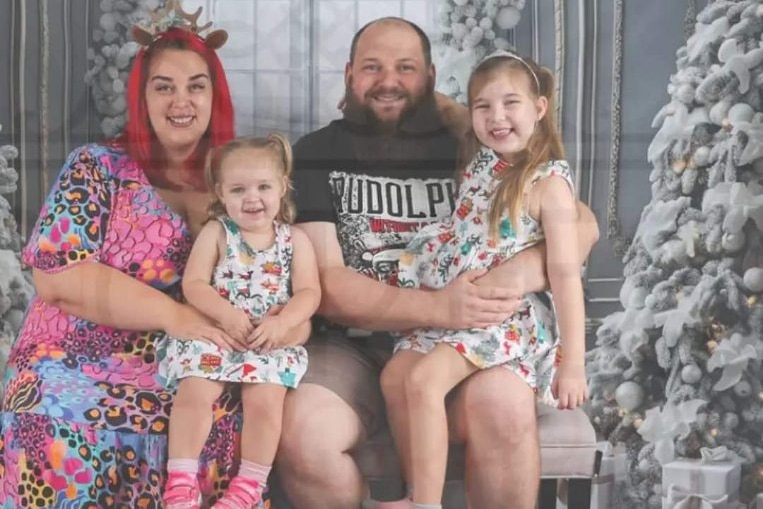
187, 466
254, 471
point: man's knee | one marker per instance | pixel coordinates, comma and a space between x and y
300, 435
317, 426
499, 404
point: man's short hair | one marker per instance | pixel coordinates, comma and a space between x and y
426, 46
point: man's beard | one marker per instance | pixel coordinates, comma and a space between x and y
357, 110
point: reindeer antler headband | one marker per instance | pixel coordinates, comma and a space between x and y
173, 16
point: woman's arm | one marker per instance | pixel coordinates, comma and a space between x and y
107, 296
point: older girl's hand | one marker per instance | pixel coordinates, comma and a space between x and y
569, 386
187, 323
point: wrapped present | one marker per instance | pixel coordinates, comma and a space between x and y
708, 479
693, 501
610, 471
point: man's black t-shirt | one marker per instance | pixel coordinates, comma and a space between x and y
378, 190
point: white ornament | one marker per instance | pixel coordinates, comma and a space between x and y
108, 22
507, 18
701, 156
740, 112
753, 279
691, 374
629, 395
501, 43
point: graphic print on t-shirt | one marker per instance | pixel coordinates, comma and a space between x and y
377, 216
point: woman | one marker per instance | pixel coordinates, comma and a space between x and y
84, 421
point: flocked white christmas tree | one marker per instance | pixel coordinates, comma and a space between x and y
680, 368
15, 286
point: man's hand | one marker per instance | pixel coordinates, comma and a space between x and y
463, 304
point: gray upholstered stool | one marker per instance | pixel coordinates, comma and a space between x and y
568, 449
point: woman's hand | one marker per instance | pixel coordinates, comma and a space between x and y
238, 324
187, 323
569, 386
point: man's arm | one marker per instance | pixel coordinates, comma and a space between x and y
355, 300
526, 271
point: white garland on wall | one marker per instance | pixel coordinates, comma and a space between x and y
15, 284
467, 31
110, 56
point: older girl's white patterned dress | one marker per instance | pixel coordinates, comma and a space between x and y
252, 280
527, 343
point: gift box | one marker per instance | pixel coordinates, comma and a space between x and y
698, 502
713, 480
611, 470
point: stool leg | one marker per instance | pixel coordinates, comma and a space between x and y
547, 495
579, 494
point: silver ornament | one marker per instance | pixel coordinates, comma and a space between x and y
629, 395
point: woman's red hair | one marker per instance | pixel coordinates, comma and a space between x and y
138, 138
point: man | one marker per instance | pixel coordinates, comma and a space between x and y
365, 183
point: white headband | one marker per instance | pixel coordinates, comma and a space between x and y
509, 54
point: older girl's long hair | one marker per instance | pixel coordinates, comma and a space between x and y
545, 144
278, 147
139, 139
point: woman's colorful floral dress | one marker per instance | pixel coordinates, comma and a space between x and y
252, 280
85, 415
528, 341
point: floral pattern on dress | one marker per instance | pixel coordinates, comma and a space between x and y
85, 414
252, 280
527, 342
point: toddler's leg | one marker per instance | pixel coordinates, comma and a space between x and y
260, 434
426, 386
190, 422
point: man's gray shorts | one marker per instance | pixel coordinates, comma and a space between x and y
350, 368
